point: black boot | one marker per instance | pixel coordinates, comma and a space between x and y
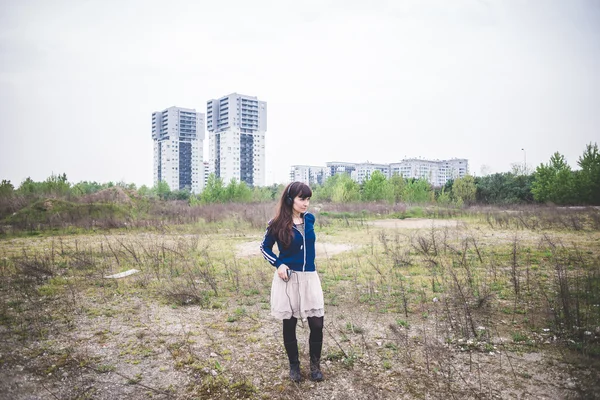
315, 361
292, 352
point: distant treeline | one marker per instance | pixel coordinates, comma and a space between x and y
553, 182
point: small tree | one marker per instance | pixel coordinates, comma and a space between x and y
397, 183
504, 188
85, 187
325, 191
553, 182
345, 190
262, 194
588, 179
464, 190
214, 191
6, 188
237, 192
377, 188
162, 190
443, 198
145, 191
183, 194
243, 193
417, 191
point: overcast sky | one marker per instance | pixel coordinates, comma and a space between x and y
344, 80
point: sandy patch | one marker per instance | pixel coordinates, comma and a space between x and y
416, 223
324, 250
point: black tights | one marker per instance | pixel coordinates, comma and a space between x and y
316, 329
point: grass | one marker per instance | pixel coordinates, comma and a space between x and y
199, 311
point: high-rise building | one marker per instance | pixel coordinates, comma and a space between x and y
237, 126
207, 171
178, 135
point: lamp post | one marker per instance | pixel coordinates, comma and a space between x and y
524, 162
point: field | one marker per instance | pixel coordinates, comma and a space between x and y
453, 304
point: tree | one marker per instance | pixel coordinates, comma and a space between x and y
265, 193
85, 187
448, 185
325, 191
464, 190
237, 192
28, 187
417, 191
56, 185
588, 179
229, 191
504, 188
145, 191
6, 188
397, 183
214, 191
376, 188
182, 194
162, 190
345, 190
443, 197
243, 192
553, 182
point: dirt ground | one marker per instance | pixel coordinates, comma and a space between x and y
152, 351
122, 341
415, 223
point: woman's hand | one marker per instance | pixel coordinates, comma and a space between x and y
282, 272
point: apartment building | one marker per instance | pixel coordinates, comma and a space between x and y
363, 171
178, 135
339, 167
207, 171
308, 174
437, 172
237, 125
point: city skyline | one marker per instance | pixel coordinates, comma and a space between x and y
436, 172
498, 83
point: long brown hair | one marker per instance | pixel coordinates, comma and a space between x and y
281, 224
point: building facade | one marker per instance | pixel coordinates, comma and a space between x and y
178, 135
339, 167
237, 125
364, 170
436, 172
207, 171
308, 174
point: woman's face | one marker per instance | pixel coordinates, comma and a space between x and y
301, 205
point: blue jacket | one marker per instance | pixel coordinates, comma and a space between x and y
300, 256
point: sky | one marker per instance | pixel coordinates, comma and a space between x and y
344, 80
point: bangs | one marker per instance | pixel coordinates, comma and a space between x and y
304, 192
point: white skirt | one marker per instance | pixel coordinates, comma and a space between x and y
301, 296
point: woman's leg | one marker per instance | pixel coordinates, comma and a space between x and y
316, 329
291, 348
289, 330
315, 342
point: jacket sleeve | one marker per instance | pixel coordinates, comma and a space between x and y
309, 218
266, 248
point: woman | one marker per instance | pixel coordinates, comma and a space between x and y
296, 289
